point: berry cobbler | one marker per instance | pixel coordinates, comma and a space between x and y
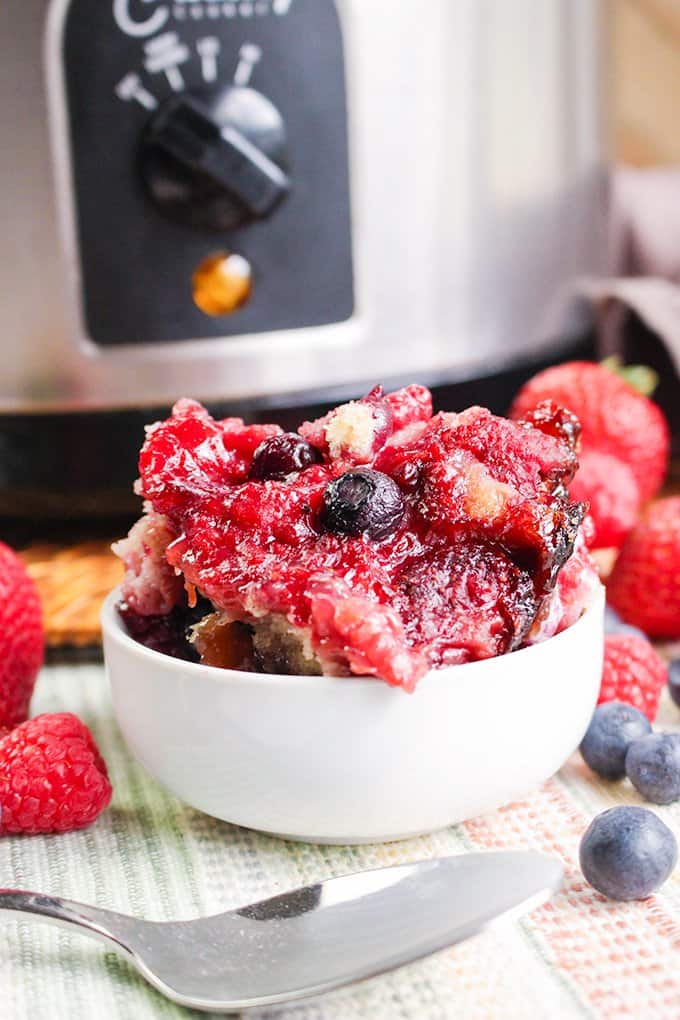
380, 540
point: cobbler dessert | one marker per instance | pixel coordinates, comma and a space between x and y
380, 540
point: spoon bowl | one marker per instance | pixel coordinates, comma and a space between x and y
314, 939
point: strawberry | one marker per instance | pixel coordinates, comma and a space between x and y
633, 672
52, 777
610, 489
644, 586
21, 638
615, 418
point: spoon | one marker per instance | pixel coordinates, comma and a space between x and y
316, 938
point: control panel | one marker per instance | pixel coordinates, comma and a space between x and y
210, 177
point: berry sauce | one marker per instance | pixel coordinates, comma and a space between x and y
403, 541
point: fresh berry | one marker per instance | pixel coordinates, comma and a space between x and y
612, 620
613, 624
611, 491
612, 729
283, 455
362, 502
52, 777
644, 586
674, 681
653, 767
626, 853
615, 418
632, 672
21, 638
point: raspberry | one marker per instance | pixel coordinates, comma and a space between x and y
410, 405
633, 672
644, 586
21, 638
52, 776
609, 487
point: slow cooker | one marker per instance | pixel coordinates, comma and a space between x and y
266, 204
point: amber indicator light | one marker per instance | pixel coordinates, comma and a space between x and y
222, 283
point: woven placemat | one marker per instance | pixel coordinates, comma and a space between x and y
73, 583
579, 957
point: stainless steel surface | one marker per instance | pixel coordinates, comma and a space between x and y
477, 188
317, 938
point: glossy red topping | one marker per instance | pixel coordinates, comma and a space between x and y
470, 558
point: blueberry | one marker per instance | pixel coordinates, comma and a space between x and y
653, 767
362, 502
612, 729
626, 853
280, 456
674, 681
613, 624
612, 620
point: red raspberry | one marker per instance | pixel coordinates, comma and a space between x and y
21, 638
633, 672
644, 586
609, 487
52, 776
410, 405
615, 418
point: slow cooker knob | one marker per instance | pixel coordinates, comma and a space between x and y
217, 162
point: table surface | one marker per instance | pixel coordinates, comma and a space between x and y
578, 956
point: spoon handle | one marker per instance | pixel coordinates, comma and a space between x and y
104, 925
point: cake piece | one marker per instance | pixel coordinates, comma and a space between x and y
380, 540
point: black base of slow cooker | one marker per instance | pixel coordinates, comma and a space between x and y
80, 466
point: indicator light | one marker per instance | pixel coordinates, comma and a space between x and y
222, 283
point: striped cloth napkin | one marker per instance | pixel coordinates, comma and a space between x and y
578, 956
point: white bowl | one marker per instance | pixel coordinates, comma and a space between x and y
351, 760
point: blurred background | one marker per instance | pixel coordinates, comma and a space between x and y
271, 205
645, 82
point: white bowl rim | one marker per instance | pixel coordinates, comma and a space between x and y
114, 628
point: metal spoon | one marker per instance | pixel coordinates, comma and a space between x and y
316, 938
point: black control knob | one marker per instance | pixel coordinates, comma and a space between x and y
216, 162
